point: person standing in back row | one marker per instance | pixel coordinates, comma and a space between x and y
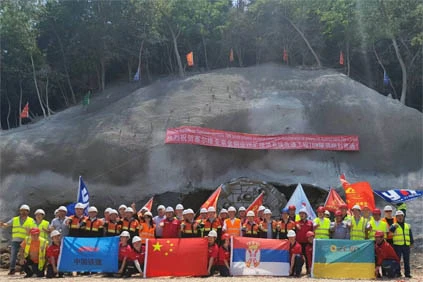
403, 240
302, 227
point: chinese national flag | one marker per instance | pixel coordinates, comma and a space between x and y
231, 55
359, 193
190, 59
341, 58
256, 204
212, 200
176, 257
25, 111
285, 55
333, 201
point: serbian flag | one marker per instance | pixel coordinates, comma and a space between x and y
359, 193
231, 55
341, 58
212, 200
25, 111
285, 55
255, 256
190, 59
176, 257
333, 201
256, 204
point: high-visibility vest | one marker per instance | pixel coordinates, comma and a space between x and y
131, 225
41, 252
379, 226
187, 229
233, 229
21, 231
113, 228
147, 231
93, 225
43, 226
215, 225
250, 230
358, 231
402, 237
390, 234
403, 206
322, 231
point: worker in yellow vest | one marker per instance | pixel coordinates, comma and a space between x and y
377, 224
20, 230
321, 224
33, 254
358, 226
42, 224
403, 240
232, 225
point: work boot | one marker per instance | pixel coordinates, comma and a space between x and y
11, 272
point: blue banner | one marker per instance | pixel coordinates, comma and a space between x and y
82, 197
89, 254
396, 196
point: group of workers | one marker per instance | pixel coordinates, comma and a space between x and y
37, 242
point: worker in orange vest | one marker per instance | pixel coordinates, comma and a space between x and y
113, 226
232, 225
267, 227
93, 225
147, 227
250, 228
389, 219
188, 226
76, 222
212, 223
130, 223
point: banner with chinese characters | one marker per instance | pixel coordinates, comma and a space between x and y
97, 254
226, 139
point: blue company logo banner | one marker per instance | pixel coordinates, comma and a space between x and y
89, 254
396, 196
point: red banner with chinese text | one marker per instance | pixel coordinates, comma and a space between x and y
226, 139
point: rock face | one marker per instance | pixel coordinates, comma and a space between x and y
117, 143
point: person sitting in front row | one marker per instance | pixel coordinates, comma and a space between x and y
296, 255
135, 263
53, 252
386, 258
33, 254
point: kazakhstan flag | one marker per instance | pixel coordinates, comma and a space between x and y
343, 259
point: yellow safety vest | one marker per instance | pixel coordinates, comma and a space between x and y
381, 226
21, 231
402, 237
43, 226
322, 231
41, 252
357, 230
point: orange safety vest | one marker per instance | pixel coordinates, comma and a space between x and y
76, 220
390, 234
113, 228
93, 226
131, 225
208, 226
147, 231
234, 228
187, 229
250, 230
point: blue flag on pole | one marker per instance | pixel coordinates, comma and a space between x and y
98, 254
396, 196
300, 201
82, 197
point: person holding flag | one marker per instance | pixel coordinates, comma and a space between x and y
76, 222
403, 240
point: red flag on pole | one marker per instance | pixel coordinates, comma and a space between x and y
359, 193
231, 55
176, 257
333, 201
212, 200
285, 55
256, 204
149, 204
25, 111
341, 58
190, 59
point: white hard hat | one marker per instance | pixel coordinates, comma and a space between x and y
267, 211
54, 233
79, 206
113, 211
261, 208
241, 209
356, 207
399, 213
387, 208
40, 211
56, 211
136, 239
108, 210
125, 234
169, 209
144, 209
92, 209
184, 212
62, 208
212, 233
190, 211
327, 212
250, 213
148, 213
122, 207
129, 209
231, 209
211, 209
161, 207
179, 207
303, 210
223, 211
291, 233
24, 207
203, 210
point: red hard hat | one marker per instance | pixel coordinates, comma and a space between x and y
321, 209
379, 234
309, 234
225, 236
292, 207
343, 206
377, 211
338, 213
34, 231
